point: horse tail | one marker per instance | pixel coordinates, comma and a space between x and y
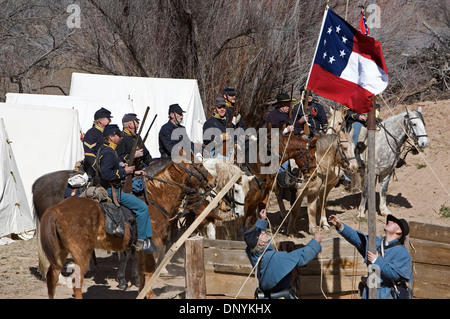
50, 241
43, 261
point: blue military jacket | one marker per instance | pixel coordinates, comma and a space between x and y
126, 145
276, 265
394, 266
166, 143
109, 168
278, 118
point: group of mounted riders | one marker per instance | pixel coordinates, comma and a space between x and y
108, 149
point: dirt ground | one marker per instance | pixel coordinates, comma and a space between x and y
416, 193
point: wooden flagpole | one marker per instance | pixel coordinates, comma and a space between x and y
371, 183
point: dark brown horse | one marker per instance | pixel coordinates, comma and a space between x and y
77, 225
290, 146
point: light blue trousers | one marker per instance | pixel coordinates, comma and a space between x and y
137, 206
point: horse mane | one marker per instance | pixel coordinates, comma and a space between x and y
226, 171
327, 143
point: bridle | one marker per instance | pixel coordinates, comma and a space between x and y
303, 155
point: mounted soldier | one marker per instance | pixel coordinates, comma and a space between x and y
93, 139
167, 142
279, 118
313, 114
130, 123
112, 177
215, 130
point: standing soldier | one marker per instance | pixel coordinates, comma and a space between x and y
93, 139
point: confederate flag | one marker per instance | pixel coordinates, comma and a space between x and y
348, 66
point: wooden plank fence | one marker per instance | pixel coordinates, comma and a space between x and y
430, 252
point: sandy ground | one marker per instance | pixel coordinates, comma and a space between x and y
416, 193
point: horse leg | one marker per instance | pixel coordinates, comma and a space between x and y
312, 213
362, 205
134, 269
54, 272
146, 268
82, 262
123, 260
295, 210
383, 192
323, 207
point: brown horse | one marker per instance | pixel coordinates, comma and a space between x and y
290, 146
77, 225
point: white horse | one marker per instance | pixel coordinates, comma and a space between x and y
390, 136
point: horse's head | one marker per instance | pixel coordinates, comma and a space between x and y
346, 151
415, 127
237, 194
302, 150
336, 121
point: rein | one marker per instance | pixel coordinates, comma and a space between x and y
187, 190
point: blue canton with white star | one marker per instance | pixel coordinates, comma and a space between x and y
335, 44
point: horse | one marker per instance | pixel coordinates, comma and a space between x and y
62, 224
334, 152
223, 171
289, 147
391, 135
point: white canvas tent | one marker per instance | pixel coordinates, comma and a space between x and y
43, 139
138, 93
15, 213
86, 106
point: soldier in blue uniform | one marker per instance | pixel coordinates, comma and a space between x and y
315, 116
229, 94
167, 142
130, 123
215, 130
392, 258
279, 117
93, 139
112, 176
274, 270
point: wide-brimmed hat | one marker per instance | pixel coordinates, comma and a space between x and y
175, 108
102, 113
251, 237
402, 223
283, 97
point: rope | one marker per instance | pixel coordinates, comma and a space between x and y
284, 219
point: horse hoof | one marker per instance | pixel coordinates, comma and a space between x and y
123, 285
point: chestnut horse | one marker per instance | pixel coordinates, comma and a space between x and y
77, 225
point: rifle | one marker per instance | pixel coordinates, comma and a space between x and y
128, 187
306, 125
290, 106
143, 141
